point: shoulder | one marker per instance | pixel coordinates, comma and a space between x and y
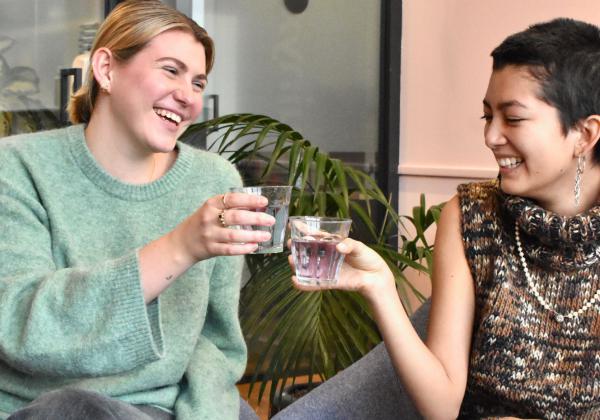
32, 144
478, 191
212, 167
478, 198
33, 139
450, 219
31, 150
480, 218
472, 199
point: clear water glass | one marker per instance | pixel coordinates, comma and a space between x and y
279, 201
314, 252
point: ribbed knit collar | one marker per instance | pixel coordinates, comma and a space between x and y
561, 241
132, 192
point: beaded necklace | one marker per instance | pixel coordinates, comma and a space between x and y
534, 289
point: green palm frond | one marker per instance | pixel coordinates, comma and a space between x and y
318, 334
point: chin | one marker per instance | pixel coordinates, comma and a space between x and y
510, 188
162, 145
165, 148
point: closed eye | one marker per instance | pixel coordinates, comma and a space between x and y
199, 85
486, 117
172, 70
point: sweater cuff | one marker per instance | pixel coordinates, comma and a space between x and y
139, 325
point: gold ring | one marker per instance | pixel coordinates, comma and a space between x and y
224, 203
222, 218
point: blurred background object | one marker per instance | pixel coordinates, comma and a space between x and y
44, 52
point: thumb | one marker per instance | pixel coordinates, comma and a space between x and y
360, 256
348, 246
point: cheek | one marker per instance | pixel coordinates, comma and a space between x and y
197, 108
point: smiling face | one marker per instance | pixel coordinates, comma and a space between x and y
156, 94
535, 157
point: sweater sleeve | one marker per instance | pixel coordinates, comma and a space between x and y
71, 322
220, 355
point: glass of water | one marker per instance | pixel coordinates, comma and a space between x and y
314, 252
279, 201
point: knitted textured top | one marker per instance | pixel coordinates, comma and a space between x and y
72, 312
523, 361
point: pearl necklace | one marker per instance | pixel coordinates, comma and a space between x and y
557, 315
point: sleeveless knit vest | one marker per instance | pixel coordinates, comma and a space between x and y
523, 361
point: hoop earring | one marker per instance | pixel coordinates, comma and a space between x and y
578, 173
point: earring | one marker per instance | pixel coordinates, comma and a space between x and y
104, 87
578, 173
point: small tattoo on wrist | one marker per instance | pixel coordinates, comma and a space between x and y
169, 277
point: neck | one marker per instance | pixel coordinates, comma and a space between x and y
564, 203
121, 157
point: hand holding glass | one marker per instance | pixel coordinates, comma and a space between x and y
279, 200
314, 252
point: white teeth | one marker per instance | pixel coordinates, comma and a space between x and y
167, 114
510, 162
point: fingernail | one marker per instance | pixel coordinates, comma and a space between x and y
342, 247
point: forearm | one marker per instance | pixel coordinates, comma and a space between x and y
78, 321
424, 377
199, 237
161, 263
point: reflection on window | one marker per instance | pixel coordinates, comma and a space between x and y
37, 39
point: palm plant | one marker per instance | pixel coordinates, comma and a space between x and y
289, 332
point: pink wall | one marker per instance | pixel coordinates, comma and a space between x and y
445, 69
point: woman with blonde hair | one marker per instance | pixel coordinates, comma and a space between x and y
119, 279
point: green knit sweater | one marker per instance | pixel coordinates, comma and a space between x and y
72, 311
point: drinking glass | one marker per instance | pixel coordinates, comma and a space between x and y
314, 252
279, 200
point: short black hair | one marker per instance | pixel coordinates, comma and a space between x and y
563, 55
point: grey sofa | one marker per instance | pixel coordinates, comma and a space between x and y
369, 389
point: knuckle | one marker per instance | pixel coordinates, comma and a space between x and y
231, 217
230, 250
204, 217
231, 235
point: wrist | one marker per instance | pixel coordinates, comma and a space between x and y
380, 288
179, 251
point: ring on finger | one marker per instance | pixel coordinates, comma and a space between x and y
222, 218
223, 199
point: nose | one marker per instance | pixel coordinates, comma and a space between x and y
493, 135
184, 94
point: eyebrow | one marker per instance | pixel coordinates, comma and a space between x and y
506, 104
182, 66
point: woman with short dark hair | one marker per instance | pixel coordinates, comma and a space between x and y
514, 326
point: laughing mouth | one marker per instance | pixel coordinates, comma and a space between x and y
168, 115
509, 162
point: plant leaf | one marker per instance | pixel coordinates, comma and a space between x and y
291, 332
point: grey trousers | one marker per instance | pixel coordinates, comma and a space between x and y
77, 404
369, 389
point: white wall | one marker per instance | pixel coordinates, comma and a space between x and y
317, 71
